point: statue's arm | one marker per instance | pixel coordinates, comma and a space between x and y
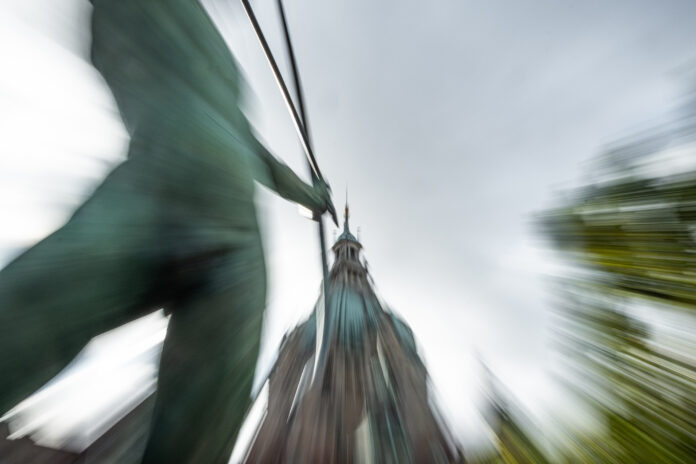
278, 177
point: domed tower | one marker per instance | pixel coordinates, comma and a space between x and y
358, 393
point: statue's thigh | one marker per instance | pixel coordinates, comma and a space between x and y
208, 361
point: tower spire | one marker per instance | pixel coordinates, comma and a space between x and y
346, 214
346, 234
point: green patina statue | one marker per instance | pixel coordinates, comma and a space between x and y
173, 226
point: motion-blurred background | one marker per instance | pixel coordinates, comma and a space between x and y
523, 175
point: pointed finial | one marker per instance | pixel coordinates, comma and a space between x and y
345, 221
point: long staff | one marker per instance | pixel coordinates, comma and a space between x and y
323, 348
300, 123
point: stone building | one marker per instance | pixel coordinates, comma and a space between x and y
358, 393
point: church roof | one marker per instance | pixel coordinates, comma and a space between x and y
347, 235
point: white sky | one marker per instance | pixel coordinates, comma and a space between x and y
451, 122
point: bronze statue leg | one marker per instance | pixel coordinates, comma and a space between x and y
208, 362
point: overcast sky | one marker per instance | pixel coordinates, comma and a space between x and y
450, 122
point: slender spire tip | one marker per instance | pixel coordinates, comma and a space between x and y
347, 212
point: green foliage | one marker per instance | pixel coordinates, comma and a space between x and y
632, 238
626, 314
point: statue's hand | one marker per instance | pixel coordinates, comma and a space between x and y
322, 192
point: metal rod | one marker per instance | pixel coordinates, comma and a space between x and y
300, 123
299, 127
295, 74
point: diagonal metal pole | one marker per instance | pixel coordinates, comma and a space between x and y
300, 123
295, 74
